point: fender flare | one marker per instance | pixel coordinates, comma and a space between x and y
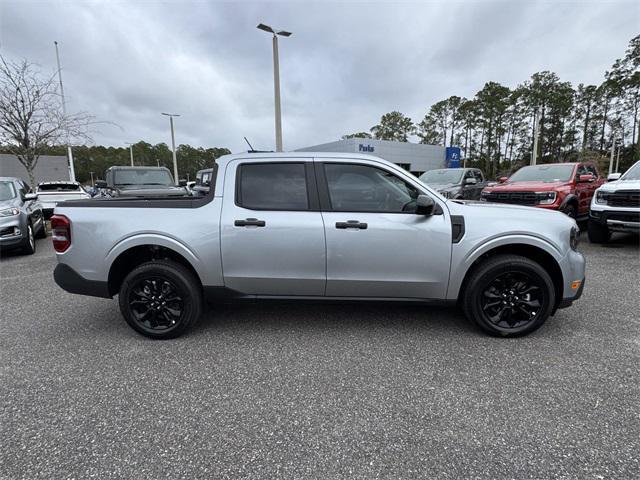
466, 263
569, 198
150, 238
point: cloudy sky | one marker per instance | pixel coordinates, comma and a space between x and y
345, 65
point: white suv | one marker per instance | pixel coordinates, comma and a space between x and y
615, 207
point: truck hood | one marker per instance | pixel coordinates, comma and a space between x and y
525, 186
621, 185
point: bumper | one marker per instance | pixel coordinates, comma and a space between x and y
71, 281
13, 231
567, 302
618, 220
573, 267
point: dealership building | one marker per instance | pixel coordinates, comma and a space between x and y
414, 157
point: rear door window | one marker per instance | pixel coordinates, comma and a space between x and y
272, 186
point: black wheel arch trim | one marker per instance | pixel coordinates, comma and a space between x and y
71, 281
569, 198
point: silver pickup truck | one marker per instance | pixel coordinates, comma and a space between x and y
317, 226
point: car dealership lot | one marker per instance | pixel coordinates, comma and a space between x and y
301, 390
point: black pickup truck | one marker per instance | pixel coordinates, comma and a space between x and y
141, 182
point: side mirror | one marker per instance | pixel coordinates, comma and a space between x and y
613, 177
502, 179
470, 181
101, 184
182, 183
30, 196
425, 205
586, 178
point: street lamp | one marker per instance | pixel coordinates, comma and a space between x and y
276, 79
173, 144
130, 151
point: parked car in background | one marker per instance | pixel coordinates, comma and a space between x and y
566, 187
203, 182
141, 182
456, 183
615, 207
50, 193
21, 217
321, 226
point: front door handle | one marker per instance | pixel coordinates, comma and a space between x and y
351, 224
250, 222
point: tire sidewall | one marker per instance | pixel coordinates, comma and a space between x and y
488, 275
184, 282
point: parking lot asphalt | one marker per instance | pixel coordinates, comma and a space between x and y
319, 391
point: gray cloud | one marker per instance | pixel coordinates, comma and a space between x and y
345, 65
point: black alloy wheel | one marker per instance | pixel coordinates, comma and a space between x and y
155, 303
161, 299
508, 295
512, 300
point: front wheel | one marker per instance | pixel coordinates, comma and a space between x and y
509, 295
597, 232
160, 299
30, 245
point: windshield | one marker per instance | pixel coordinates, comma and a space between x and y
7, 191
442, 177
59, 187
142, 177
633, 173
543, 173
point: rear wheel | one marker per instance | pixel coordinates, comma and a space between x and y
160, 299
597, 232
509, 295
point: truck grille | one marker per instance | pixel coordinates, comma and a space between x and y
519, 198
624, 198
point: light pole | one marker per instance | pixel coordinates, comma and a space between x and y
92, 182
276, 80
173, 145
130, 151
72, 170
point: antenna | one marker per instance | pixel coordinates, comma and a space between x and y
250, 147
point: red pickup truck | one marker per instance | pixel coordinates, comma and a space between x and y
567, 187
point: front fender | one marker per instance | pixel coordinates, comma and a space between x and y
463, 256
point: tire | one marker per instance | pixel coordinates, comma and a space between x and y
145, 299
30, 245
509, 296
570, 210
597, 232
42, 233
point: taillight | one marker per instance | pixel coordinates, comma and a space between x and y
61, 233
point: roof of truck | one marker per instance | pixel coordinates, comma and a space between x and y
280, 155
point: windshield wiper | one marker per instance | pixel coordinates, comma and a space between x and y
163, 184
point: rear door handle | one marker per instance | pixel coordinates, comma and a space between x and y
250, 222
351, 224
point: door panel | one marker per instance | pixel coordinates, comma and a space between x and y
376, 245
396, 256
271, 252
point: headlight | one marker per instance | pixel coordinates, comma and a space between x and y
601, 197
445, 193
574, 237
546, 198
9, 212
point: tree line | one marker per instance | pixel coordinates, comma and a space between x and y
495, 128
96, 160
